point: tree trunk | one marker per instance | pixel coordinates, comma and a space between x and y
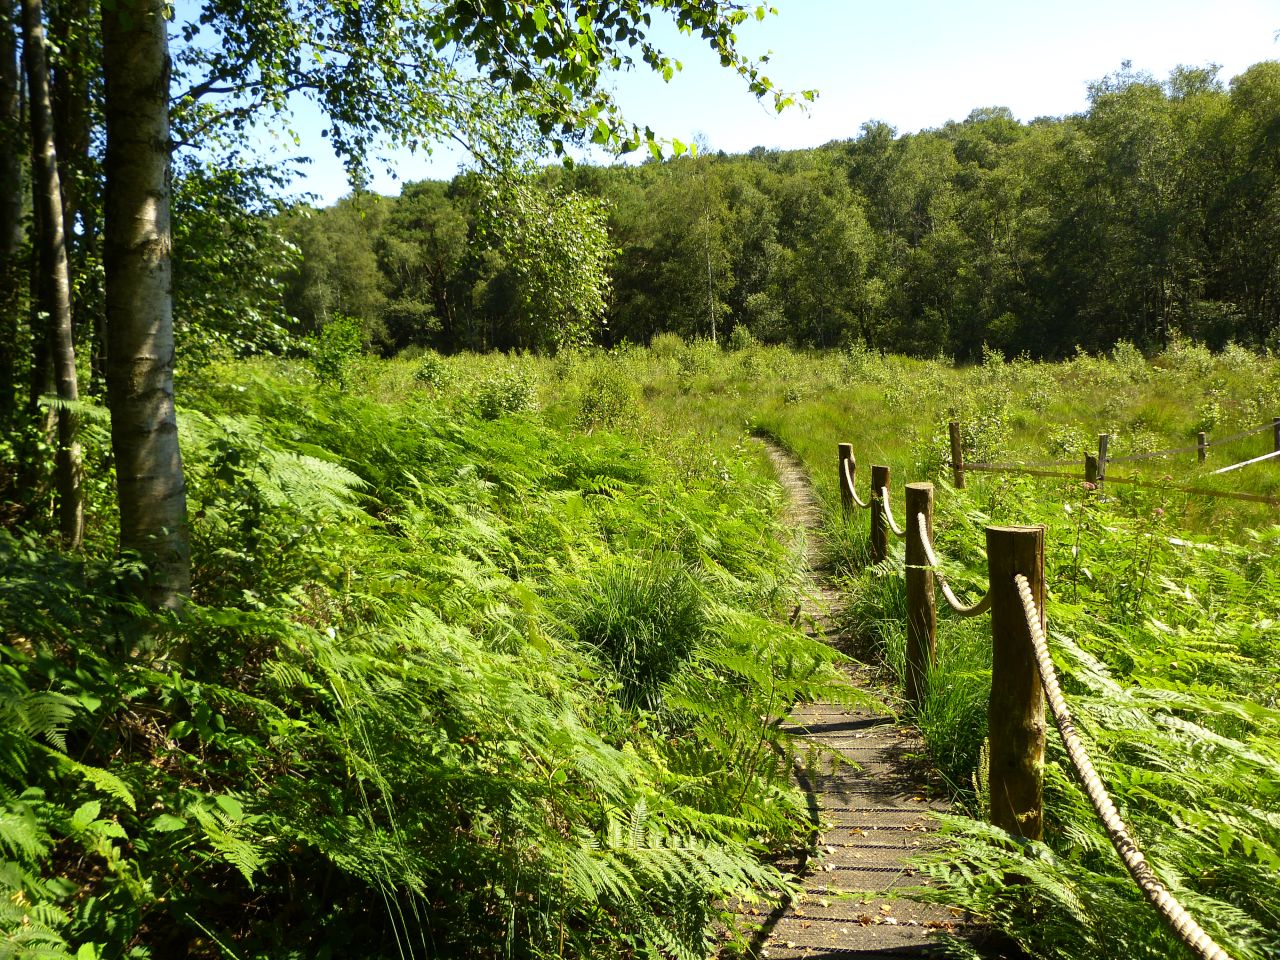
70, 31
139, 298
11, 150
69, 90
55, 279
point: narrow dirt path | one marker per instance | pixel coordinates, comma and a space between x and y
873, 812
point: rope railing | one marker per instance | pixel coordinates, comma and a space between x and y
954, 602
1022, 677
1154, 454
1096, 467
888, 513
1263, 428
1248, 463
846, 469
1182, 923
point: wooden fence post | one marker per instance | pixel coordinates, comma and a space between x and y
879, 529
1104, 440
957, 454
1275, 425
846, 496
1202, 446
922, 609
1015, 712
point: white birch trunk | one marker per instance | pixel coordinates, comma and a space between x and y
139, 308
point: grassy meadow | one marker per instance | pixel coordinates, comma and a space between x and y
484, 654
1163, 607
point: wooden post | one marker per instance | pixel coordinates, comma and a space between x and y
846, 497
922, 609
1275, 424
1104, 439
1015, 712
957, 454
1202, 445
879, 529
1091, 469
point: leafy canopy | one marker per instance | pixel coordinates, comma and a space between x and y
498, 76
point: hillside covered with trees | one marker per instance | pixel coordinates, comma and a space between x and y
1154, 211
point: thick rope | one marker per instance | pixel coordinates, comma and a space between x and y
953, 601
848, 485
1183, 924
1135, 457
1241, 435
888, 514
1248, 463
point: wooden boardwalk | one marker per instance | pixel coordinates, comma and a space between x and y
873, 812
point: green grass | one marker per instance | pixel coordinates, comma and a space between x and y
1163, 606
501, 642
462, 677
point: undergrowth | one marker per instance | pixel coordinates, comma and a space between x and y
456, 679
1163, 610
483, 654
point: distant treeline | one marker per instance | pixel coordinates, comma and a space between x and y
1156, 210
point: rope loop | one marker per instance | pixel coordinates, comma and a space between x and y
1182, 923
849, 485
963, 610
888, 513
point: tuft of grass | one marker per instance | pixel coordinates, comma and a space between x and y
643, 617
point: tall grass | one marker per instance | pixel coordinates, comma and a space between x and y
1162, 607
460, 677
499, 676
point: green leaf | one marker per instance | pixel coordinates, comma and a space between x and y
167, 823
85, 814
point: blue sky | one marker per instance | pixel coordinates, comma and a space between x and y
912, 63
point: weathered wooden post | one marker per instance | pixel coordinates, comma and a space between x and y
1015, 712
1202, 445
922, 609
879, 529
1104, 440
957, 454
846, 495
1091, 469
1275, 426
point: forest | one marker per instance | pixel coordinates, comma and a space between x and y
1153, 212
407, 577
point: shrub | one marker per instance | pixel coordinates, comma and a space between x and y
432, 371
742, 338
335, 348
666, 345
1130, 362
503, 393
609, 398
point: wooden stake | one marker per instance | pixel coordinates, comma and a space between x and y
922, 609
879, 529
1275, 423
1104, 440
1015, 712
846, 497
1202, 445
957, 454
